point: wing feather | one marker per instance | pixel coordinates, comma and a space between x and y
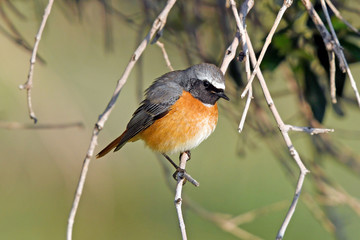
159, 98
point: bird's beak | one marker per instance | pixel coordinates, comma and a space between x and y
222, 95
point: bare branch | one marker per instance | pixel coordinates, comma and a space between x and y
312, 131
338, 15
286, 5
158, 24
292, 150
331, 54
28, 84
178, 200
166, 57
231, 50
246, 109
331, 43
17, 126
332, 76
242, 29
229, 55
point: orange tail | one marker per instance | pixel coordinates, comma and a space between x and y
111, 146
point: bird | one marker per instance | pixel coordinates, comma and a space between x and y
179, 111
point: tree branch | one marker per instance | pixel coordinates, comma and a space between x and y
292, 150
311, 131
331, 43
246, 7
16, 125
28, 84
286, 5
166, 57
178, 200
157, 25
338, 15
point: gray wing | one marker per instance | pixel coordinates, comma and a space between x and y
159, 98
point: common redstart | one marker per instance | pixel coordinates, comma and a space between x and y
178, 113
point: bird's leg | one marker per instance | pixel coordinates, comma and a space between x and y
188, 153
171, 161
182, 172
178, 169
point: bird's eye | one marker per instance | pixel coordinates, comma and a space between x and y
206, 83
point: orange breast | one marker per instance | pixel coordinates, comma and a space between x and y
188, 123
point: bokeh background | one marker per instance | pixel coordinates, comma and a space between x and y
86, 47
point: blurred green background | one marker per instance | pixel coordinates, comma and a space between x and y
126, 195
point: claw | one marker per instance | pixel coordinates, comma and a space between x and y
181, 171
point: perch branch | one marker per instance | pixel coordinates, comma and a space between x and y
157, 25
286, 5
28, 84
178, 200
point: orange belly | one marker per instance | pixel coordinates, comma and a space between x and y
188, 123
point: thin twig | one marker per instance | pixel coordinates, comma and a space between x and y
292, 150
311, 131
332, 44
242, 29
178, 200
229, 55
17, 125
231, 50
246, 109
28, 84
158, 24
332, 76
166, 57
331, 54
339, 16
286, 5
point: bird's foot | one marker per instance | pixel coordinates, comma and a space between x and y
188, 153
179, 173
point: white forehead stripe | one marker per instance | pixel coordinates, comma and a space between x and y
218, 85
214, 83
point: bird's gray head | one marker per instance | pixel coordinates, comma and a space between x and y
207, 72
205, 82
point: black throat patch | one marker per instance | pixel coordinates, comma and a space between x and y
204, 91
